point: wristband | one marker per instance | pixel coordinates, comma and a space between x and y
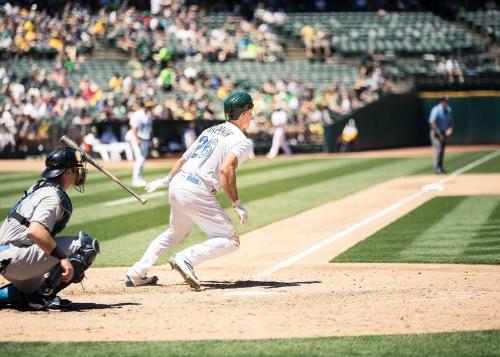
58, 253
169, 178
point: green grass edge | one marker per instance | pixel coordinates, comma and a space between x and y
469, 343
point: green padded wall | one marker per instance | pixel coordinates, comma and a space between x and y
476, 115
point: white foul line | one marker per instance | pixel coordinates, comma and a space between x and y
294, 259
123, 201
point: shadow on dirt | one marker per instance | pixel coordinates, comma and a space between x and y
76, 306
85, 306
206, 285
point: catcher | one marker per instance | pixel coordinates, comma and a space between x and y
29, 247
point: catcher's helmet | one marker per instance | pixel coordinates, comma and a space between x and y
237, 103
61, 159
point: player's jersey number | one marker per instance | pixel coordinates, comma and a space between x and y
205, 148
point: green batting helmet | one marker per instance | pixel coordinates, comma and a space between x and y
237, 103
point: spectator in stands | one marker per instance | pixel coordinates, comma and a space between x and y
308, 37
116, 82
166, 78
322, 47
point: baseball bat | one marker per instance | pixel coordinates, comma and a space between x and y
70, 143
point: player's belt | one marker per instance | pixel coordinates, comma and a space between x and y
197, 181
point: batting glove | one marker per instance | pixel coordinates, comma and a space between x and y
160, 183
241, 212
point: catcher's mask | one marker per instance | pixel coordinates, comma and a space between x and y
61, 159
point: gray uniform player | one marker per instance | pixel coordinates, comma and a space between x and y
209, 164
29, 247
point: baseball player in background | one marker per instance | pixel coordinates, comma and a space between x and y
140, 138
29, 247
209, 164
279, 119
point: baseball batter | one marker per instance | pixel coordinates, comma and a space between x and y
29, 247
209, 164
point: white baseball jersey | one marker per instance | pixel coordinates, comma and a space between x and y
279, 118
192, 200
205, 156
143, 123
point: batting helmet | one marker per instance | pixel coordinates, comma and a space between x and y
237, 103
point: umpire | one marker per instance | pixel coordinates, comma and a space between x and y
29, 247
441, 126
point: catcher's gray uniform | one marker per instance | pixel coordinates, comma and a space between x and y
25, 263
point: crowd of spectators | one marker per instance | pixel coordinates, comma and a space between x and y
32, 31
176, 30
31, 104
173, 29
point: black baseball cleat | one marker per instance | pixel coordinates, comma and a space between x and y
41, 302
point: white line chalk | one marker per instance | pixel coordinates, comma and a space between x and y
395, 206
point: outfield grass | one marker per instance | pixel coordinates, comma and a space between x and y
271, 190
480, 343
457, 229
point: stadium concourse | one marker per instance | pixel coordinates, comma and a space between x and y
65, 70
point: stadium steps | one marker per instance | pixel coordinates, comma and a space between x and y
295, 50
109, 54
462, 26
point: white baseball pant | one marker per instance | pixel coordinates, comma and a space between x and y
141, 151
191, 202
279, 140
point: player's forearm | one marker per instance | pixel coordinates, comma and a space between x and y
228, 181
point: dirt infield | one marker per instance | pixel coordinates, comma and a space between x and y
247, 295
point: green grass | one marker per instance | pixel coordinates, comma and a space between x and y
453, 162
457, 229
478, 343
271, 190
491, 166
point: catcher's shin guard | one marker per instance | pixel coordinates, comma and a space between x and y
9, 295
81, 261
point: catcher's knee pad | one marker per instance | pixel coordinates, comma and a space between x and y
84, 257
81, 261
